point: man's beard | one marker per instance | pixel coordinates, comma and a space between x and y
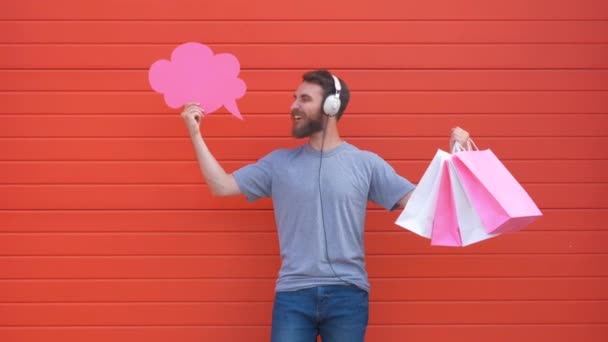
305, 129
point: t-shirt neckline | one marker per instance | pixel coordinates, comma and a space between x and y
309, 149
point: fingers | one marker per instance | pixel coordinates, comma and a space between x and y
459, 135
458, 132
193, 105
193, 110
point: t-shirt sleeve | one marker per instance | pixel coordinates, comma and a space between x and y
387, 187
255, 180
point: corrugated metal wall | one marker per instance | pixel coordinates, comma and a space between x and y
107, 232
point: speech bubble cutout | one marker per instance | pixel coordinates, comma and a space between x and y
195, 74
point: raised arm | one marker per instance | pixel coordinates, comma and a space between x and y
220, 183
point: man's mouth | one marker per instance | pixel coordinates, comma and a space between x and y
296, 117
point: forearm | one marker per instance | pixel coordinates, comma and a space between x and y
214, 174
403, 201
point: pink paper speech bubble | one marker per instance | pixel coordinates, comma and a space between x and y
195, 74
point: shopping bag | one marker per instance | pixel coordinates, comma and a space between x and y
417, 216
456, 223
471, 228
445, 230
501, 202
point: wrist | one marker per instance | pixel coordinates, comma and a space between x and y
194, 132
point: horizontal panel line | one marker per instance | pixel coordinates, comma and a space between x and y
283, 138
4, 278
284, 71
203, 184
277, 70
288, 21
275, 115
42, 279
286, 114
191, 161
290, 91
215, 210
233, 326
227, 255
246, 231
225, 44
178, 184
169, 231
291, 43
216, 279
108, 303
131, 210
280, 137
265, 256
307, 69
387, 90
271, 230
133, 160
594, 206
185, 136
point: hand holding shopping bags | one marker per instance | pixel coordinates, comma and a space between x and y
466, 197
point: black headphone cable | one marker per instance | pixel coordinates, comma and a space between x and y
321, 200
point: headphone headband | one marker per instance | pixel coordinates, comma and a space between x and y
337, 85
331, 106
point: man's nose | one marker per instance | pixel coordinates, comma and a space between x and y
295, 105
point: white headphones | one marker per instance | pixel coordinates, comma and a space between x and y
331, 106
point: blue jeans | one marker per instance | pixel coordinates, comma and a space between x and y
338, 313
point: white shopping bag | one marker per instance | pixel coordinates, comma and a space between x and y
417, 216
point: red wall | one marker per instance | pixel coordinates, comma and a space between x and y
107, 232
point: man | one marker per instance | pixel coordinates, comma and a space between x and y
320, 192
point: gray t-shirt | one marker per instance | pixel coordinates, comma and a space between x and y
349, 178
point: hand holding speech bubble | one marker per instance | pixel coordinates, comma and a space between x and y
195, 74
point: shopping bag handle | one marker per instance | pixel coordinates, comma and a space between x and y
470, 146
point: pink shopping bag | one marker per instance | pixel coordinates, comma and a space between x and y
501, 202
446, 231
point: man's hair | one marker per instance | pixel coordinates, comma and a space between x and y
324, 79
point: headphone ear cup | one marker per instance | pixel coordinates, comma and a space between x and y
331, 106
